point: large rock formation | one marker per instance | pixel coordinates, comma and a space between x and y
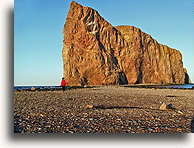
96, 53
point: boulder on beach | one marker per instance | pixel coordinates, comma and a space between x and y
168, 107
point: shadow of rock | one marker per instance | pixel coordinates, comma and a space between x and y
120, 107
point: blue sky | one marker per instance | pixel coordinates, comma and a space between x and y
38, 38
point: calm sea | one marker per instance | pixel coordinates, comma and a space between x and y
176, 86
182, 86
40, 87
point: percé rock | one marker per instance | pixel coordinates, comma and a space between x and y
96, 53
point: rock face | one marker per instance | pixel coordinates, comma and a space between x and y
96, 53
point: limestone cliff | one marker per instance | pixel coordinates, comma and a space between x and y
96, 53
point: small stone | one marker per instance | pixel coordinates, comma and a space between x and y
180, 112
89, 106
39, 128
163, 106
33, 89
41, 115
71, 132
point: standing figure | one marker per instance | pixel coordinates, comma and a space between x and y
63, 84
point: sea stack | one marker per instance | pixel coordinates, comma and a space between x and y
97, 53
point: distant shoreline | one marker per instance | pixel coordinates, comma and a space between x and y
154, 86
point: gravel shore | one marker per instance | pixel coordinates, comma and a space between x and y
116, 110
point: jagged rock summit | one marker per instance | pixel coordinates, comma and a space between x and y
96, 53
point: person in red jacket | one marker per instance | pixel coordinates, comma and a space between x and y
63, 84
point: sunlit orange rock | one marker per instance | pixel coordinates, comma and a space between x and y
96, 53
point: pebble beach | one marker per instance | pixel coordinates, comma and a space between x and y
112, 109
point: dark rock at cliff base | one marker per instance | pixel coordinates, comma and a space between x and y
96, 53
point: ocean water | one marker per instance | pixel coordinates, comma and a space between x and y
181, 86
178, 86
40, 87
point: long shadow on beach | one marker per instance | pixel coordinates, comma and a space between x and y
121, 107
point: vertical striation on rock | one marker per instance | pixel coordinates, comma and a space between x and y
157, 63
96, 53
